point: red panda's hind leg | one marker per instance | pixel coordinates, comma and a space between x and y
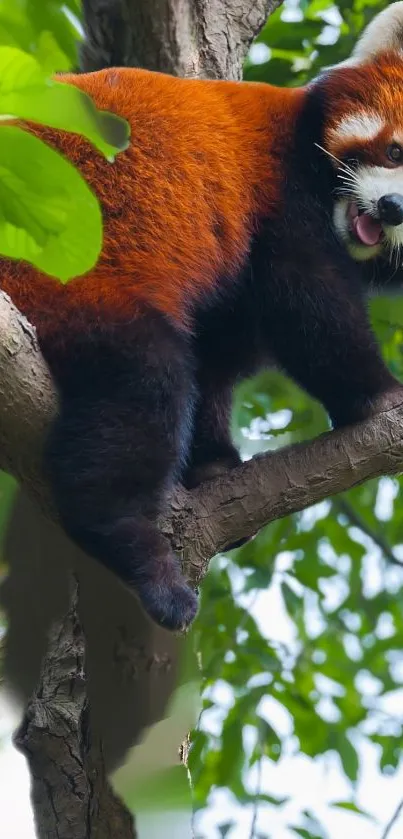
212, 452
116, 448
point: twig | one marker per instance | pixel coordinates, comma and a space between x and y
355, 519
393, 820
256, 801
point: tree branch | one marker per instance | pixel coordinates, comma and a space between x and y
274, 485
235, 506
391, 823
347, 510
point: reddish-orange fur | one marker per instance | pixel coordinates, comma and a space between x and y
179, 206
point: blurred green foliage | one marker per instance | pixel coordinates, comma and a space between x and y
337, 570
299, 39
47, 29
333, 571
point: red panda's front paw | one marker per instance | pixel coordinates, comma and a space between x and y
172, 606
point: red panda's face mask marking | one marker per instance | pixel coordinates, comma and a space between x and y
363, 137
368, 208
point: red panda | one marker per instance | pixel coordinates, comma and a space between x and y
239, 227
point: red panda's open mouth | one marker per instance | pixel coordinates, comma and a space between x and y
363, 227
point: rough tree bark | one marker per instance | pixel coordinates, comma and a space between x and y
203, 39
71, 795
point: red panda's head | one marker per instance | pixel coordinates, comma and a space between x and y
363, 136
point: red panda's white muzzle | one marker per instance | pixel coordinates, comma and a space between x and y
368, 218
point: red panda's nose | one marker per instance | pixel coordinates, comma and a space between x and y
390, 208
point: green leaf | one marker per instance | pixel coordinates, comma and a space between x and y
48, 215
391, 753
164, 790
26, 93
348, 756
8, 489
259, 579
349, 805
309, 571
292, 600
224, 829
269, 740
262, 797
42, 28
231, 758
48, 18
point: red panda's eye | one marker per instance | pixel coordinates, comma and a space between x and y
395, 153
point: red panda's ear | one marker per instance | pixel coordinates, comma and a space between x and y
383, 34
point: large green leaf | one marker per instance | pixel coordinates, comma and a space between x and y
27, 93
48, 214
43, 28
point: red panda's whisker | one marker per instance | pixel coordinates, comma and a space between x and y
348, 177
345, 190
348, 171
344, 166
395, 255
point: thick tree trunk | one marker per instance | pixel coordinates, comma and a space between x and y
199, 38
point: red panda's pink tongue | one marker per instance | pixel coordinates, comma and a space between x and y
367, 229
